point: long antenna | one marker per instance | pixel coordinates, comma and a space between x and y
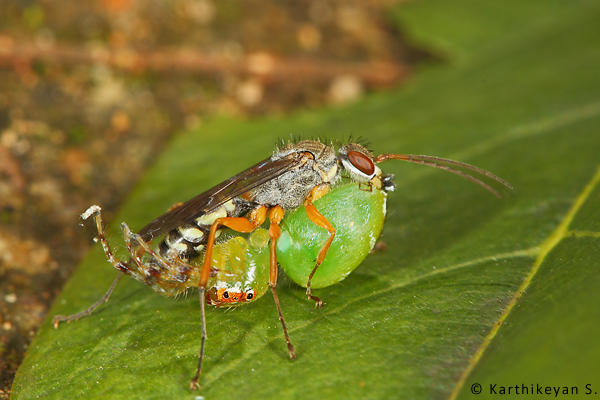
433, 161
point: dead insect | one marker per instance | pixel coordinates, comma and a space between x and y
235, 270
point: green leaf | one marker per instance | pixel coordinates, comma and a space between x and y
472, 289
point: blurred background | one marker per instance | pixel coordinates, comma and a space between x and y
91, 91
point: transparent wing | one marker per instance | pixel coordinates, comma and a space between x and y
210, 200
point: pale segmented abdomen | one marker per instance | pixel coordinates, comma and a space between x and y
189, 240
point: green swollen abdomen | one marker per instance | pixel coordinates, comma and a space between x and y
355, 213
240, 262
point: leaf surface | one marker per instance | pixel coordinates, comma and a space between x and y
471, 289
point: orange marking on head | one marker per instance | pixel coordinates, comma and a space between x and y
224, 297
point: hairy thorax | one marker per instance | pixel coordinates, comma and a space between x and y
291, 189
288, 190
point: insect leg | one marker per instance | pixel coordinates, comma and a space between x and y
143, 247
96, 212
136, 255
239, 224
121, 266
315, 216
68, 318
194, 383
275, 217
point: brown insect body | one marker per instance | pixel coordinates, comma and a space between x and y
316, 165
188, 240
289, 190
296, 174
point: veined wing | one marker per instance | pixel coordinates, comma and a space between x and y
210, 200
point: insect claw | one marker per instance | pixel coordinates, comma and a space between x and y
90, 211
194, 385
318, 302
292, 353
125, 229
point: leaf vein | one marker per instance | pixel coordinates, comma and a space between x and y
546, 247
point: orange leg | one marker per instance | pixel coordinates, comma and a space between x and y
275, 217
239, 224
315, 216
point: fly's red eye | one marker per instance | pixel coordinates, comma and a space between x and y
361, 162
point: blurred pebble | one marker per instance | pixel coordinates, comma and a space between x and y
120, 121
308, 36
260, 63
320, 12
10, 298
200, 11
249, 93
345, 89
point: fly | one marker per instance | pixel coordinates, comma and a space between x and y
295, 175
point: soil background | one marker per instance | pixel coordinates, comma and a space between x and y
91, 91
